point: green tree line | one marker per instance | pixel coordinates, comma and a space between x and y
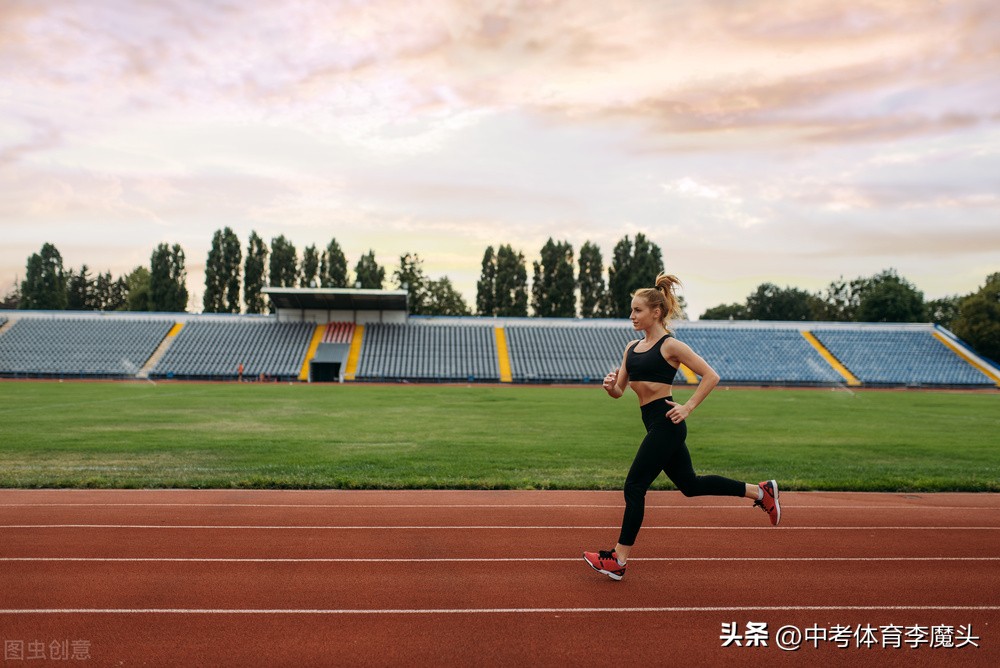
235, 277
563, 284
882, 297
48, 285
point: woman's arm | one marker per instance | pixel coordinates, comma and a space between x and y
616, 381
681, 353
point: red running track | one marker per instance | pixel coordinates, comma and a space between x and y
303, 578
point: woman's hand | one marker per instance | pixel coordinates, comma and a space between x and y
611, 380
678, 412
611, 383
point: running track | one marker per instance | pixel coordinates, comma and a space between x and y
313, 578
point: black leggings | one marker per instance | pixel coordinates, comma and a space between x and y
663, 449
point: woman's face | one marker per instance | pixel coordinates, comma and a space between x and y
642, 316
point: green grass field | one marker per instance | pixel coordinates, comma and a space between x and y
134, 435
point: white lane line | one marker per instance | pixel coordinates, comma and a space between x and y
477, 505
488, 611
211, 527
409, 560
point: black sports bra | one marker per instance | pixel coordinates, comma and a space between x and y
649, 365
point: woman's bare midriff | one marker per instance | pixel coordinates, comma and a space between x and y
648, 391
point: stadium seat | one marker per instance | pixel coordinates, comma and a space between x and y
465, 349
216, 348
759, 355
427, 352
899, 357
565, 354
106, 347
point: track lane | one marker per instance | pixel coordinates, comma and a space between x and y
543, 639
491, 638
435, 585
417, 543
736, 514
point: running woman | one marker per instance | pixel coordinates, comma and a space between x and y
648, 367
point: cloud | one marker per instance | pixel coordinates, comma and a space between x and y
21, 136
376, 71
716, 205
689, 187
718, 129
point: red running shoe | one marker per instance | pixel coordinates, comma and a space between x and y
605, 562
769, 502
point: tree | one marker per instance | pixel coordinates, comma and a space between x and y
769, 302
253, 274
31, 288
486, 286
44, 285
214, 277
502, 289
426, 296
539, 296
563, 294
840, 301
887, 297
553, 289
138, 290
333, 267
591, 281
369, 273
167, 279
943, 311
310, 267
108, 294
978, 321
410, 276
233, 258
682, 307
443, 299
884, 297
222, 273
726, 312
632, 267
12, 300
283, 270
511, 283
80, 291
112, 294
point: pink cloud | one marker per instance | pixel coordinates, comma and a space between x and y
525, 117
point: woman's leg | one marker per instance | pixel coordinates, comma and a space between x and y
681, 472
662, 439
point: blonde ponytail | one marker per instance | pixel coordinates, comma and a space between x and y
663, 297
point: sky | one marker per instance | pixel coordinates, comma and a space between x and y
782, 141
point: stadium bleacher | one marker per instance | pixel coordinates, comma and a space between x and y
898, 357
338, 332
104, 347
215, 349
469, 349
391, 351
756, 355
554, 353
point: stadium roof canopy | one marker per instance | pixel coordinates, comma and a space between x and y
338, 299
